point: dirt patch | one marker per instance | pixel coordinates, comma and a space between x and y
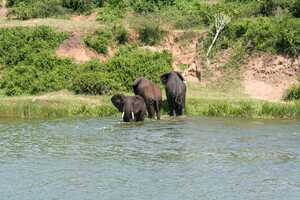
75, 48
3, 11
268, 76
92, 17
184, 51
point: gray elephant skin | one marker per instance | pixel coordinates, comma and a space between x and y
175, 91
151, 94
133, 108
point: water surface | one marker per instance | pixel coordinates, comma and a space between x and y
171, 159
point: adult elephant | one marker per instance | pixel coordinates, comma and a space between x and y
175, 92
151, 94
133, 108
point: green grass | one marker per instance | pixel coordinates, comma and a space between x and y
61, 24
56, 105
204, 103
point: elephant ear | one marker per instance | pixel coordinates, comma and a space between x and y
136, 84
118, 101
180, 76
164, 78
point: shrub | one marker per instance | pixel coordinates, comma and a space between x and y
120, 34
275, 35
33, 9
293, 93
295, 8
99, 40
121, 70
150, 33
29, 64
112, 11
79, 5
144, 6
17, 44
92, 78
33, 79
93, 83
132, 62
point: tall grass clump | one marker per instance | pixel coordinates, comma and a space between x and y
293, 93
150, 33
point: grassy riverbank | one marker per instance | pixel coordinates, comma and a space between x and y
201, 103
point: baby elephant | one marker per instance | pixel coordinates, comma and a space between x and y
175, 92
151, 94
133, 108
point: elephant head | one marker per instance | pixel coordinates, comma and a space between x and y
171, 75
133, 108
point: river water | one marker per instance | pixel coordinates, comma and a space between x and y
170, 159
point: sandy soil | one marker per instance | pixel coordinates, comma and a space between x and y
268, 76
3, 11
75, 48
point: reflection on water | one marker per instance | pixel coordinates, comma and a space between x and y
184, 158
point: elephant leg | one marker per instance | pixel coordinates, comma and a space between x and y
140, 116
170, 105
150, 109
179, 110
157, 109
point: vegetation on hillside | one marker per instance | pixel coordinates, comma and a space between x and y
30, 66
121, 70
101, 39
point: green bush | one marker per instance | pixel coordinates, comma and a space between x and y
120, 71
91, 78
99, 40
102, 38
30, 65
46, 73
293, 93
295, 8
17, 44
275, 35
132, 62
33, 9
144, 6
120, 34
150, 33
93, 83
79, 5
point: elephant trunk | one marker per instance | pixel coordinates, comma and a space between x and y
128, 115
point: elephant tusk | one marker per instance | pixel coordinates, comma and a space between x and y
184, 82
132, 115
123, 114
